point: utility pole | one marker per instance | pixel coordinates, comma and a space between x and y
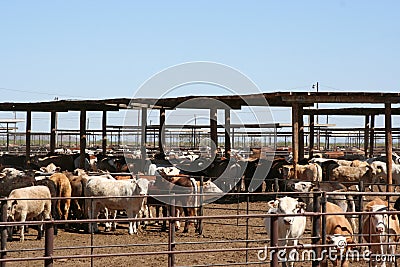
316, 86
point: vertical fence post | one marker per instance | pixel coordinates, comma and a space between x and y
237, 208
360, 207
3, 233
247, 226
171, 234
201, 212
49, 243
274, 241
91, 231
316, 227
276, 186
323, 224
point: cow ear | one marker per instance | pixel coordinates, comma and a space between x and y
368, 207
272, 204
15, 202
302, 205
328, 239
58, 169
393, 217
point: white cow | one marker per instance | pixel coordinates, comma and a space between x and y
22, 210
379, 171
170, 171
51, 168
11, 172
134, 192
291, 228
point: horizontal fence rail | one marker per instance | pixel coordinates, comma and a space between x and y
230, 228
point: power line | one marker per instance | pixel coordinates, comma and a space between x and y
40, 93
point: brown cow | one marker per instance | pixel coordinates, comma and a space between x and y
63, 190
350, 175
339, 232
309, 172
78, 183
381, 228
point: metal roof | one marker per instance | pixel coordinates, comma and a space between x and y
277, 99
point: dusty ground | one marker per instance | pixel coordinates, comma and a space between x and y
218, 234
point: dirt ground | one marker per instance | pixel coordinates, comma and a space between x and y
218, 234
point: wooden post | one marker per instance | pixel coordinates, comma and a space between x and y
213, 132
295, 136
372, 136
227, 133
301, 132
53, 123
161, 131
143, 139
28, 138
311, 146
388, 145
82, 143
366, 135
104, 133
3, 232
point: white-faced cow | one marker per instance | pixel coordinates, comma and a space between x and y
380, 229
125, 195
20, 209
291, 228
379, 172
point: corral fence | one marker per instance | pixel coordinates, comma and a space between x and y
232, 229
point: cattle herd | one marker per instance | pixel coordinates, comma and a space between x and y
53, 187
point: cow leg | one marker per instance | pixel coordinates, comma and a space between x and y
22, 233
40, 232
59, 209
114, 223
132, 225
67, 203
157, 208
165, 215
55, 216
107, 226
187, 222
177, 222
10, 231
22, 228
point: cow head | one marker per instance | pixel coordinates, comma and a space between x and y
339, 241
210, 187
12, 206
380, 221
287, 206
287, 171
303, 186
142, 186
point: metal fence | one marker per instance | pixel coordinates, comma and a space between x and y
232, 233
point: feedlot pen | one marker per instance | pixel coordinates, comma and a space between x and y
233, 235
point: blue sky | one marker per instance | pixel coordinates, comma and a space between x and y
107, 49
